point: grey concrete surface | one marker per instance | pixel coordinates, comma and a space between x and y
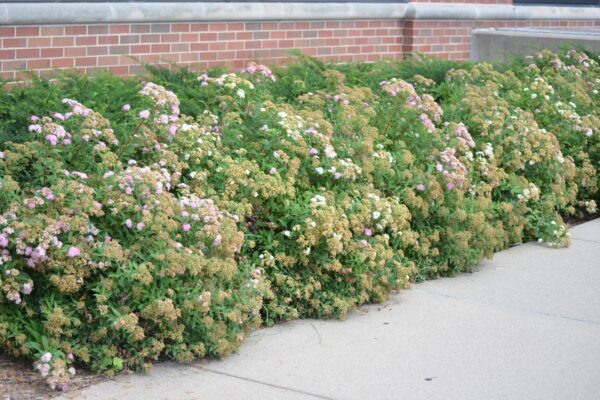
590, 231
172, 381
25, 13
500, 44
525, 326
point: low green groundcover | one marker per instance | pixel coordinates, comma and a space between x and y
141, 220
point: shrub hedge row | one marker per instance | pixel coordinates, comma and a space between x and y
170, 215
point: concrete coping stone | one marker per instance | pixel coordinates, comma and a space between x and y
554, 32
141, 12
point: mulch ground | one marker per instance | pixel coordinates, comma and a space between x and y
19, 381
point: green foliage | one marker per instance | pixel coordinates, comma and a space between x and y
131, 233
103, 92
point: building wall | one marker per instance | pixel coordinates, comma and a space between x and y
121, 47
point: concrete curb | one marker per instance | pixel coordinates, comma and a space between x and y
72, 13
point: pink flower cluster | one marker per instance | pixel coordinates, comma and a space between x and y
340, 98
452, 169
55, 133
167, 107
431, 111
43, 366
254, 68
464, 136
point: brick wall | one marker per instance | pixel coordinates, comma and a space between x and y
121, 48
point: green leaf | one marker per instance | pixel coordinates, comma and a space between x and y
118, 363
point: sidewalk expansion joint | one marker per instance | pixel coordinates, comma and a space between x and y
317, 396
506, 307
586, 240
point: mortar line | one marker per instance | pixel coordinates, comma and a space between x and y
507, 307
318, 396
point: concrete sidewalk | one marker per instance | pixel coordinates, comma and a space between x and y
526, 326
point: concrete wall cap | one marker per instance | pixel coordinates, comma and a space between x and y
140, 12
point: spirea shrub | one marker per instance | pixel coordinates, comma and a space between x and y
166, 234
109, 259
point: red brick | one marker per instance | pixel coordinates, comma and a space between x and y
253, 26
153, 38
278, 34
198, 27
148, 58
189, 37
7, 54
14, 64
97, 50
63, 62
76, 30
170, 57
208, 56
108, 60
38, 42
285, 44
28, 31
7, 31
180, 47
38, 64
118, 70
52, 52
286, 25
98, 29
217, 27
205, 37
270, 26
119, 49
16, 42
112, 39
86, 40
235, 45
253, 44
75, 51
141, 48
226, 36
200, 46
243, 54
127, 60
28, 53
180, 27
187, 57
235, 26
226, 55
86, 61
243, 35
160, 48
52, 31
116, 29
